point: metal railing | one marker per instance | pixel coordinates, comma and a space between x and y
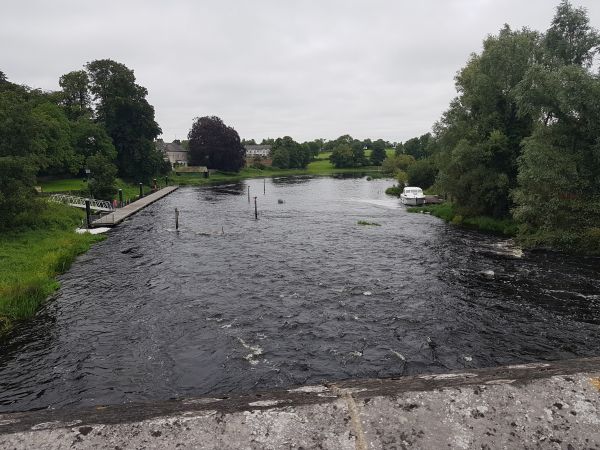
79, 202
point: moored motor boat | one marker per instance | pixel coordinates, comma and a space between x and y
412, 196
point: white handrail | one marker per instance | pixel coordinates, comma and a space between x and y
79, 202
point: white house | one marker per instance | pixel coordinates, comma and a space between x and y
173, 152
258, 150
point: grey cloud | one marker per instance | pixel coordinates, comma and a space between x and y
378, 68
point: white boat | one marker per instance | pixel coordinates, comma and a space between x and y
412, 196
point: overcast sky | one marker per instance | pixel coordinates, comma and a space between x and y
269, 68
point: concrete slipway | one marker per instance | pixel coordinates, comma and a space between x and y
545, 405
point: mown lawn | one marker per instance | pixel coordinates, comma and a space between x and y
30, 259
77, 186
63, 185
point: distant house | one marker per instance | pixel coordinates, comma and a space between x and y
173, 152
262, 151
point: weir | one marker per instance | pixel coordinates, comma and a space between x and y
546, 405
119, 215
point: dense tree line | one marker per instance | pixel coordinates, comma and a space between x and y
522, 138
349, 152
289, 154
345, 151
99, 120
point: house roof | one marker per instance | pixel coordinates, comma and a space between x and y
174, 147
257, 147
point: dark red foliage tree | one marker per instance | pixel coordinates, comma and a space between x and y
215, 145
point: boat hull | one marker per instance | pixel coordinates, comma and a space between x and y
412, 201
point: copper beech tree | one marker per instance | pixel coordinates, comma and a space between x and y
215, 145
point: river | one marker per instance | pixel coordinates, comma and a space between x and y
302, 295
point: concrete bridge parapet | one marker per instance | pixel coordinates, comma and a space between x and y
542, 405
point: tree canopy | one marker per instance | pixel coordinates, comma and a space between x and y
522, 137
98, 117
289, 154
215, 145
121, 107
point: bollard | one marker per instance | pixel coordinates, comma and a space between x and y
176, 219
154, 185
248, 194
264, 186
88, 213
141, 191
120, 198
255, 209
166, 181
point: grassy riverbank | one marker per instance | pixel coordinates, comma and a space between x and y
319, 167
78, 186
30, 259
447, 212
315, 168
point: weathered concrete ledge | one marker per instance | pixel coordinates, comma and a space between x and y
545, 405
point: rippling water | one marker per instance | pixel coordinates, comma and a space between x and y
302, 295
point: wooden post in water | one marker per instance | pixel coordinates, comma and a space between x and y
141, 191
248, 194
120, 198
176, 219
88, 213
255, 209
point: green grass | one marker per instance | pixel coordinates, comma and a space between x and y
31, 258
63, 185
77, 186
131, 190
447, 212
364, 222
320, 167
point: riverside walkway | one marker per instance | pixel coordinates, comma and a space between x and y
541, 405
119, 215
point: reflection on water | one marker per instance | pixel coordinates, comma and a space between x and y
302, 295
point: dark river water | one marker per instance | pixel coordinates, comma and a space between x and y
302, 295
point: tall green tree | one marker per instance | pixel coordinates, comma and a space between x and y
342, 156
377, 152
359, 158
289, 154
557, 201
75, 94
280, 157
55, 151
17, 178
121, 107
480, 136
570, 40
397, 163
422, 173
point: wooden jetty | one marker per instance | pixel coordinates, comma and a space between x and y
433, 200
119, 215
